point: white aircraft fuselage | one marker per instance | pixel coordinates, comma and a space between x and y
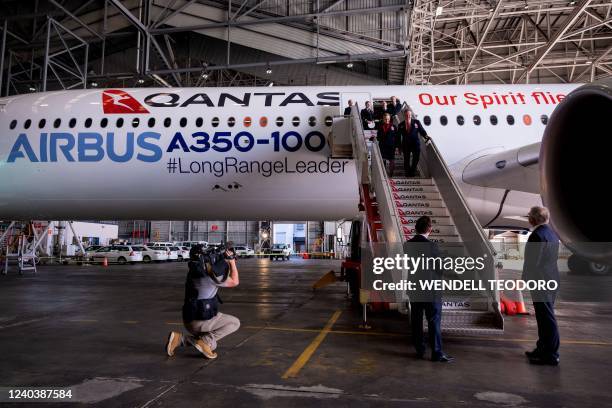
238, 153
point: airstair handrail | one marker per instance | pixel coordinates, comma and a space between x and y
360, 149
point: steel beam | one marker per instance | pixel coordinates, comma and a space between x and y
566, 25
273, 20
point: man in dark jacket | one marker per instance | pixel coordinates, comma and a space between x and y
541, 255
396, 106
347, 110
367, 116
430, 302
409, 131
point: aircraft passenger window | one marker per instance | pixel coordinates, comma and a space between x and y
151, 122
443, 120
88, 122
247, 121
72, 123
41, 123
119, 122
135, 122
296, 121
510, 119
263, 121
183, 122
13, 124
279, 121
493, 119
231, 121
329, 121
199, 122
460, 120
544, 119
427, 120
312, 121
215, 122
477, 120
167, 122
57, 123
527, 120
103, 122
27, 123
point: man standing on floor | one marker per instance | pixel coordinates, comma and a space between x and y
541, 256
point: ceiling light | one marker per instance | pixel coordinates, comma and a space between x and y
439, 10
204, 75
349, 65
94, 84
32, 89
140, 81
268, 70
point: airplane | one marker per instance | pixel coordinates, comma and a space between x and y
262, 153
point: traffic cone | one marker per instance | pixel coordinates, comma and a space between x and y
520, 305
105, 262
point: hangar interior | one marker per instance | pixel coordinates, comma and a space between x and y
103, 327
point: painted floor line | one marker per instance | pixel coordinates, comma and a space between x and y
301, 361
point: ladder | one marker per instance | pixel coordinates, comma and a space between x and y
392, 206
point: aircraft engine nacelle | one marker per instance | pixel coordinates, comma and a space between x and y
575, 170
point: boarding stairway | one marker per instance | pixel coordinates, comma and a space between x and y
392, 206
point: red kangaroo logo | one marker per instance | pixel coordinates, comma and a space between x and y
118, 101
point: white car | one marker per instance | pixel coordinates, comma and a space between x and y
172, 254
120, 254
157, 244
89, 252
182, 253
244, 251
150, 254
280, 251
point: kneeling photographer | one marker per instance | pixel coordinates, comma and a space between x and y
209, 270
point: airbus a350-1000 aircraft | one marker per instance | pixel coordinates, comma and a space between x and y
262, 153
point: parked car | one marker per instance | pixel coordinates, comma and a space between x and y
120, 254
189, 244
244, 251
172, 253
181, 252
89, 252
280, 251
159, 243
150, 254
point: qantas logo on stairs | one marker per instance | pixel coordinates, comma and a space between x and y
118, 101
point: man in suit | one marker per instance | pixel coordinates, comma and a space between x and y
409, 131
396, 106
347, 110
367, 116
541, 255
429, 303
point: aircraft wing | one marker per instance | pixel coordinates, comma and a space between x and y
515, 169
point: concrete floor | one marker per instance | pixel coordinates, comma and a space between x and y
101, 332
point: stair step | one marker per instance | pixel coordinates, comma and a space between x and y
442, 239
400, 195
407, 210
414, 189
436, 221
435, 230
412, 181
421, 203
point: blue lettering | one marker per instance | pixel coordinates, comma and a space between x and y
65, 148
43, 147
90, 142
152, 147
22, 142
177, 143
129, 149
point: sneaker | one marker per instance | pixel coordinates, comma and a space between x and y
175, 339
205, 349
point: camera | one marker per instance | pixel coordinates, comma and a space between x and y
213, 258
